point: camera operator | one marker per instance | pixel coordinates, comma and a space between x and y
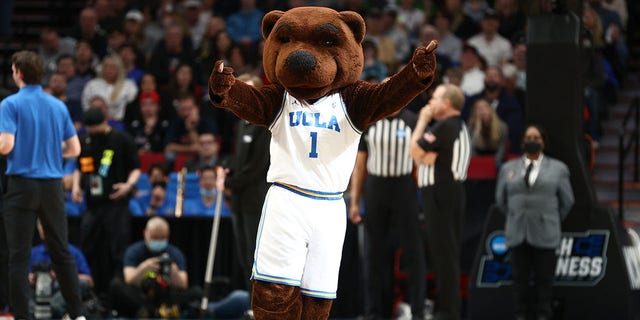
155, 275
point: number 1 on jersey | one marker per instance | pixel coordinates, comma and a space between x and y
314, 144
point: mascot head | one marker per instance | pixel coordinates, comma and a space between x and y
312, 51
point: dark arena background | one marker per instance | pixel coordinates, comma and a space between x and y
598, 262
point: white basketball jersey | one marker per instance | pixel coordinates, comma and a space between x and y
313, 146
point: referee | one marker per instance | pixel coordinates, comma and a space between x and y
36, 132
442, 151
384, 170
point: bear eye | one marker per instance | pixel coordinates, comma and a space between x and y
284, 39
328, 42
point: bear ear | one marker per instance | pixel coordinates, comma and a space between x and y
269, 21
355, 23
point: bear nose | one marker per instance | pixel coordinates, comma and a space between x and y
301, 61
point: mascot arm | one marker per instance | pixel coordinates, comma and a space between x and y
256, 105
368, 102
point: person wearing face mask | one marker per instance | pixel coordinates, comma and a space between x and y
205, 204
107, 172
535, 194
148, 262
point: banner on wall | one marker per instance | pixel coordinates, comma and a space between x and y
581, 259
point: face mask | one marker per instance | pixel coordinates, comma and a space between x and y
532, 147
490, 86
157, 245
208, 193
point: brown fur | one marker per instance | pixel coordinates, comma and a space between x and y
311, 52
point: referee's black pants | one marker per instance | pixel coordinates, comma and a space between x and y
25, 200
391, 209
444, 205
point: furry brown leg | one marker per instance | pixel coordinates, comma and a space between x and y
315, 308
273, 301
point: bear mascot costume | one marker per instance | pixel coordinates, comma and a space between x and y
316, 109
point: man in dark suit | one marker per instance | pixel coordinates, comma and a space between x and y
535, 194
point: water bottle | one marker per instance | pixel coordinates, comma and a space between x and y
44, 292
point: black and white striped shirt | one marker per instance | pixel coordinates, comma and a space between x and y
387, 143
450, 139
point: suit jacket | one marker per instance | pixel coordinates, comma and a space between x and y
534, 214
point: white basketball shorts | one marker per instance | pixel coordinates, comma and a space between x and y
299, 240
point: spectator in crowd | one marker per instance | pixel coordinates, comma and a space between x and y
129, 56
155, 273
475, 9
205, 204
113, 86
520, 62
205, 52
51, 47
154, 201
373, 68
410, 17
40, 259
149, 131
488, 132
182, 135
428, 33
472, 65
192, 14
169, 54
442, 152
453, 76
88, 30
512, 20
511, 74
148, 83
462, 25
448, 43
394, 32
115, 38
86, 59
534, 193
133, 28
619, 7
57, 87
209, 154
159, 203
493, 47
245, 25
504, 104
75, 81
108, 170
183, 83
375, 33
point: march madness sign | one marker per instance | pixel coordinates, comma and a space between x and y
582, 259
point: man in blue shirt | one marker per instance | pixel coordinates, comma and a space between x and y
36, 133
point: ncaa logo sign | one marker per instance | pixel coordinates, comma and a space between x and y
581, 259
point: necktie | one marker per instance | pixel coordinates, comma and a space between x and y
527, 173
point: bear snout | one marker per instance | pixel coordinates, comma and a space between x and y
300, 61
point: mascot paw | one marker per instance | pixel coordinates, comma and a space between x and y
424, 60
221, 79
